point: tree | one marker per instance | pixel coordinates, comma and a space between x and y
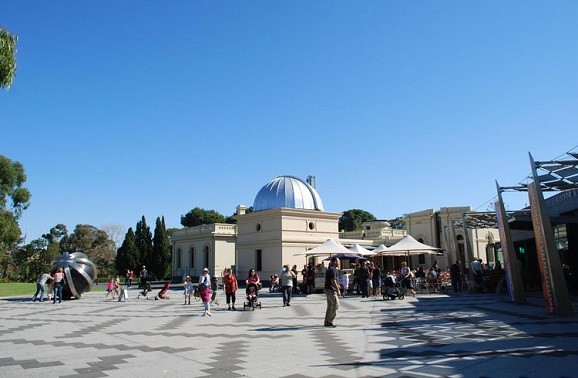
397, 223
161, 257
53, 238
14, 199
56, 233
144, 242
351, 220
7, 58
37, 256
95, 243
32, 259
198, 216
128, 255
114, 232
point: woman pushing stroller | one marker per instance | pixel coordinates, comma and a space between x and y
253, 283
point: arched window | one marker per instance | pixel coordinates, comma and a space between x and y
192, 257
206, 256
179, 258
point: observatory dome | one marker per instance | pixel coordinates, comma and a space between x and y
287, 192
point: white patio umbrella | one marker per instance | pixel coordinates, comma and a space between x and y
330, 247
361, 250
380, 248
409, 246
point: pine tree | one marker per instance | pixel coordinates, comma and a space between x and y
161, 250
127, 256
167, 249
144, 243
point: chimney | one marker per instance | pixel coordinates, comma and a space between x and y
241, 209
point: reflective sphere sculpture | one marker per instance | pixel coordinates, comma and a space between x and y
79, 272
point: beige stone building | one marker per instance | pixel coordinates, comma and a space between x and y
445, 229
207, 246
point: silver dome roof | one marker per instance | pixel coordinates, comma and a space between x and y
288, 192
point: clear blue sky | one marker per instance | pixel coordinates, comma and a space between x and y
124, 109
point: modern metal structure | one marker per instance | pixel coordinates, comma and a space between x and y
547, 176
79, 272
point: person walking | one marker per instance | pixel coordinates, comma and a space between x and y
231, 286
456, 277
405, 276
40, 288
58, 279
116, 288
128, 278
364, 279
344, 282
331, 292
143, 277
287, 277
376, 278
294, 270
110, 288
206, 292
189, 290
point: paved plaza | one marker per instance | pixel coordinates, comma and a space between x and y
463, 335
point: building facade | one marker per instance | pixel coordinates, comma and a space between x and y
207, 246
444, 229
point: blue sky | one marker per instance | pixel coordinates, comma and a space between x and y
124, 109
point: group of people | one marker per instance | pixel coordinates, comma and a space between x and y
208, 287
367, 279
57, 282
113, 288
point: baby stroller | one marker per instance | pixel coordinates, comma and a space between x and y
392, 290
163, 293
252, 297
145, 291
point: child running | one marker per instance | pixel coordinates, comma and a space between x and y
110, 288
189, 290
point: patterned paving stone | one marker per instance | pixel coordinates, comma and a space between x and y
464, 335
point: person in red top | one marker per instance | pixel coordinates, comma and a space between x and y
253, 278
231, 286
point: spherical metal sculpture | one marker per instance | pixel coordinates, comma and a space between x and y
79, 272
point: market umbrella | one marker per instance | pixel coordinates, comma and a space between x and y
409, 246
361, 250
346, 256
330, 247
380, 248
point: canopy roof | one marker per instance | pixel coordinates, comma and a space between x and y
361, 250
553, 175
409, 246
380, 248
346, 256
330, 247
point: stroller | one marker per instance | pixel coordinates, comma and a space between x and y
252, 297
163, 293
392, 290
145, 291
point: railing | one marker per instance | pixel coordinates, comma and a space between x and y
206, 229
